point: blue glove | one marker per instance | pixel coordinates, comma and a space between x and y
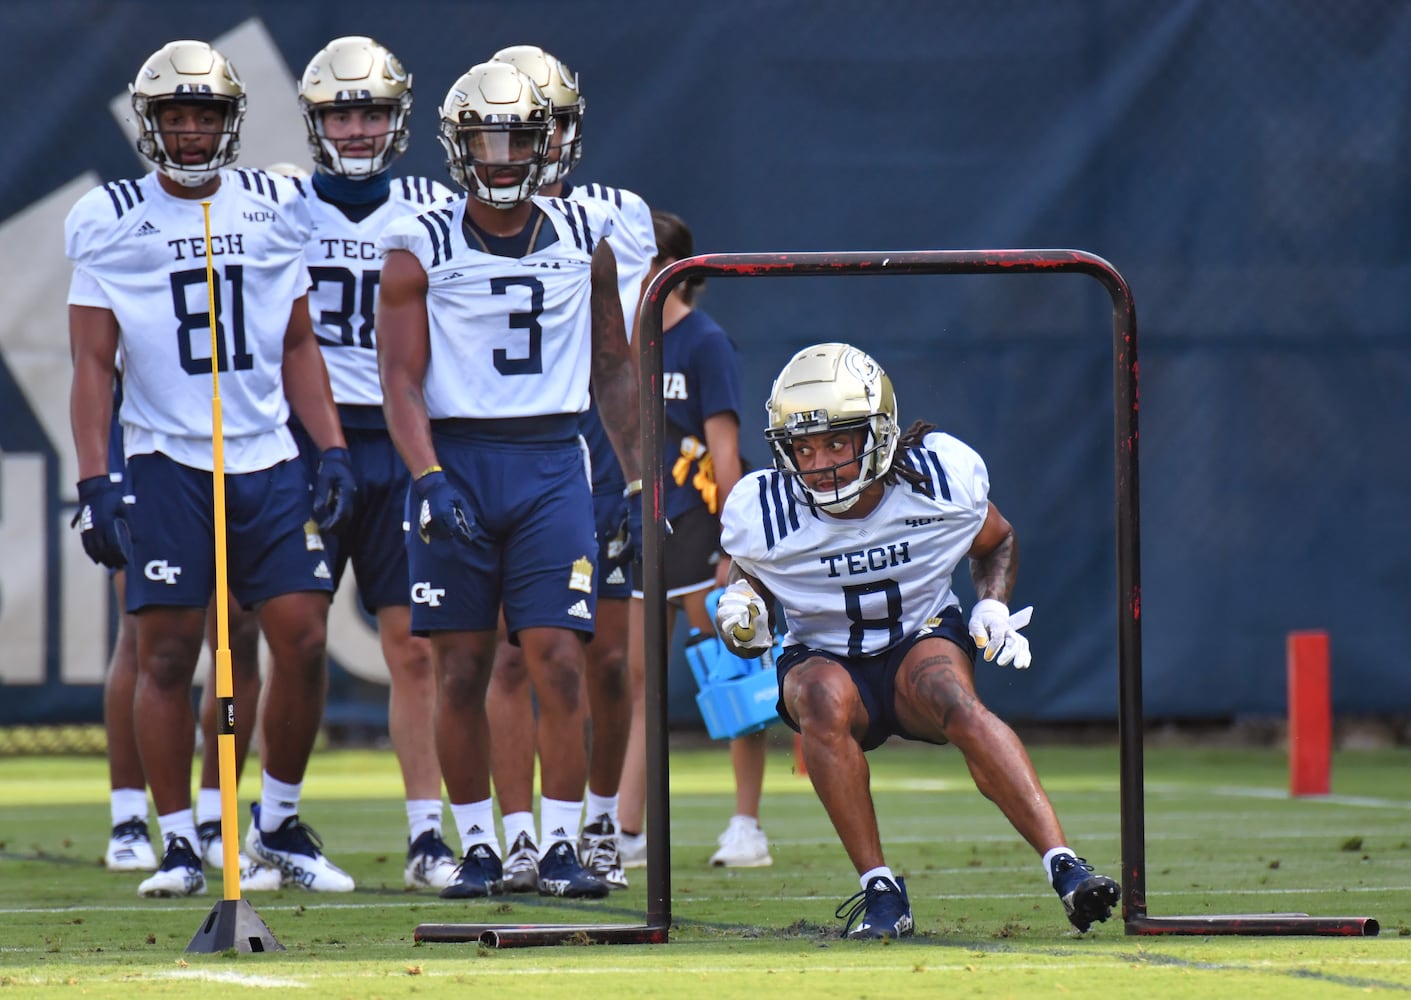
442, 511
101, 520
334, 487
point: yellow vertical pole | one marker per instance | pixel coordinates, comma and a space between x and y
225, 686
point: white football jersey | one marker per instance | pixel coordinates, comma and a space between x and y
510, 337
141, 253
634, 240
857, 587
345, 267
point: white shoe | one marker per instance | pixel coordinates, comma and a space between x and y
295, 850
430, 863
130, 848
742, 845
598, 853
255, 876
521, 869
632, 849
179, 875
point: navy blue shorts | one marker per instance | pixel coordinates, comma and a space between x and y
534, 553
609, 507
373, 540
272, 544
875, 677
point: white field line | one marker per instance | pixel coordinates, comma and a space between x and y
232, 978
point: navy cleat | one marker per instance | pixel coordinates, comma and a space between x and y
884, 908
479, 874
1086, 896
561, 874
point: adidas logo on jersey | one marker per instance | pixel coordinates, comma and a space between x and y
146, 229
580, 610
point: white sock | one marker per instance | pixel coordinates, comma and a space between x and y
560, 820
423, 815
208, 805
517, 823
278, 801
475, 823
179, 824
881, 871
128, 803
1048, 860
599, 805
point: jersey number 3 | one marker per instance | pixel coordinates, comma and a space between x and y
533, 361
186, 286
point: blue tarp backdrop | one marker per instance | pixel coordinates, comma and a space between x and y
1246, 165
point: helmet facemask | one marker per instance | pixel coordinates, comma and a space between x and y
833, 389
560, 85
193, 74
351, 73
496, 127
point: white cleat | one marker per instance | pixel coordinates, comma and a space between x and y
431, 864
295, 850
179, 875
130, 848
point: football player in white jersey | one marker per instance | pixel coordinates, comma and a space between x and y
356, 99
856, 533
495, 315
511, 710
139, 250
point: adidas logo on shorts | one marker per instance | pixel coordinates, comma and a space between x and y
580, 610
616, 576
321, 571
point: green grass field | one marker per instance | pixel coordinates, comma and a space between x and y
1222, 837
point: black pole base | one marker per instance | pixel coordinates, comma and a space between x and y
233, 925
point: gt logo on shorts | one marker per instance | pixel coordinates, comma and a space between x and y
424, 593
160, 569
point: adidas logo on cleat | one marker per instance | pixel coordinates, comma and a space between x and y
580, 610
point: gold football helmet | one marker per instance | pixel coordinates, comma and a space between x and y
355, 72
496, 126
560, 86
187, 72
834, 387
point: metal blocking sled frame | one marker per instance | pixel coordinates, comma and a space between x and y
1130, 722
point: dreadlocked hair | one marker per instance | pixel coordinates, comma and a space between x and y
899, 470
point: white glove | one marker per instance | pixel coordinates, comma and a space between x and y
996, 631
742, 617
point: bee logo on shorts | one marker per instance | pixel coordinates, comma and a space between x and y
581, 577
313, 541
